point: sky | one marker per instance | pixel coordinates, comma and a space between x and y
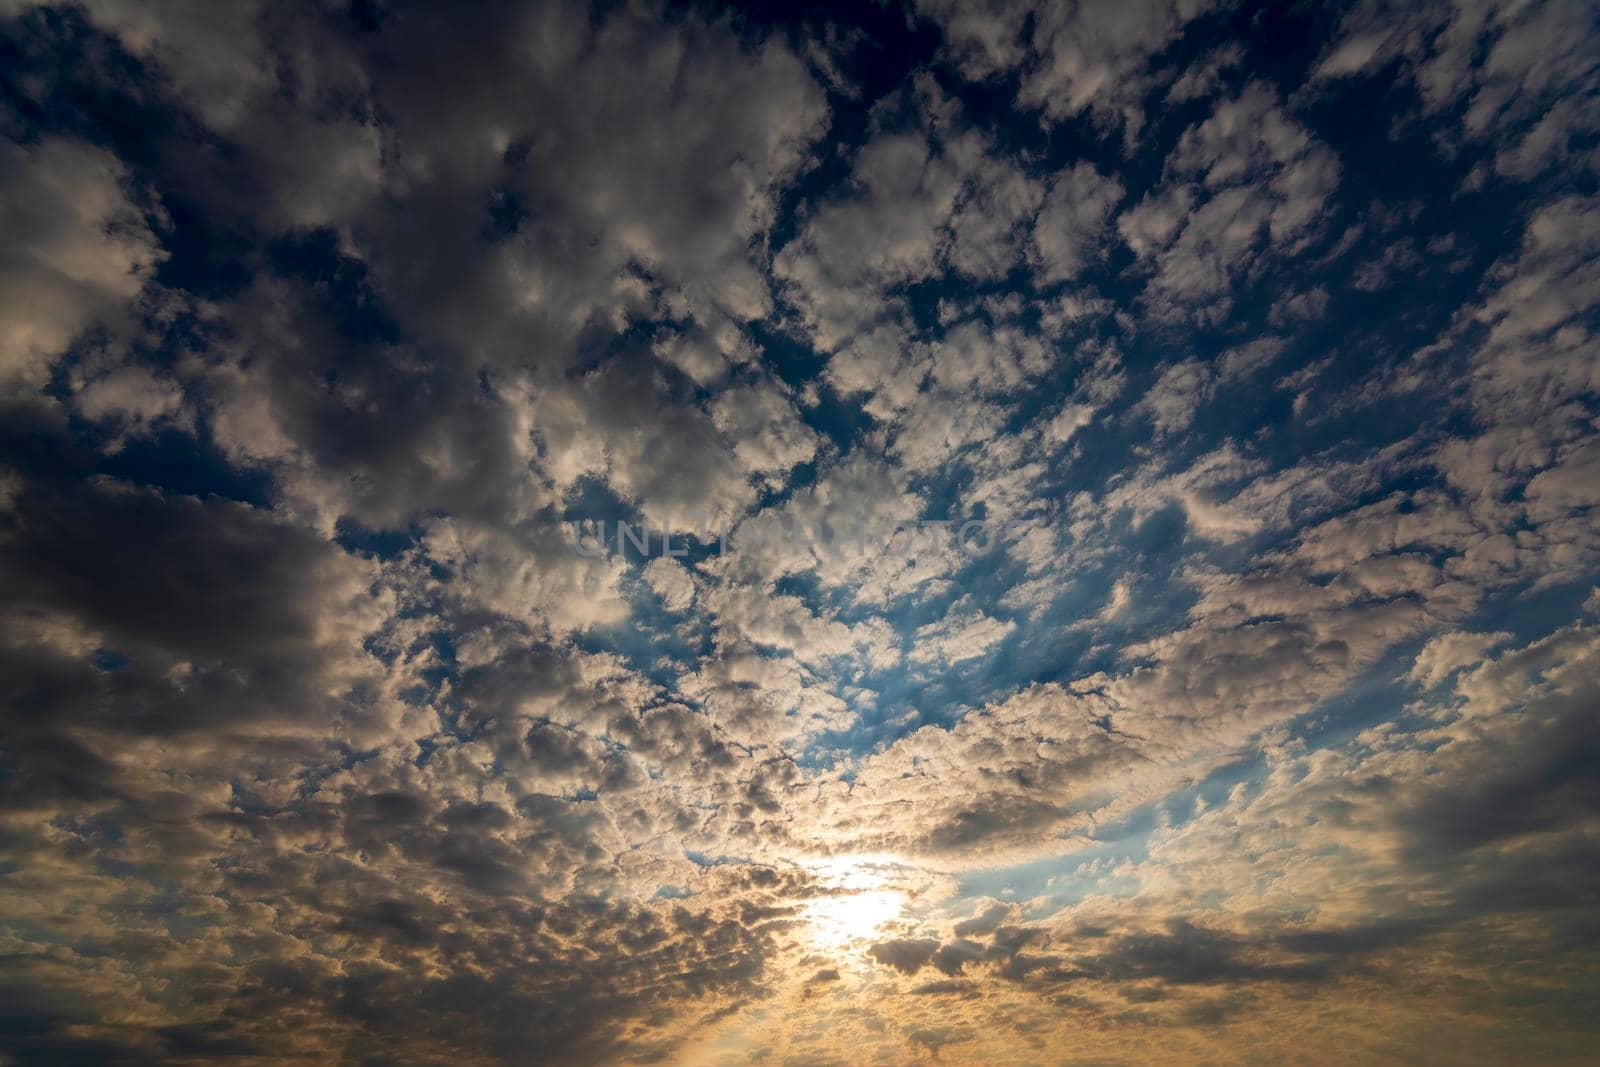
918, 532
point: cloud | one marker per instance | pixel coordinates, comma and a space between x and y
1074, 58
1523, 71
907, 955
1072, 222
1266, 722
79, 251
923, 200
1247, 181
670, 581
959, 638
1446, 654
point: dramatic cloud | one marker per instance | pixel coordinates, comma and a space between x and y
939, 532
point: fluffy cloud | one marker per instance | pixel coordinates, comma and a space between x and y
1247, 182
1260, 719
1069, 229
1075, 58
78, 251
1522, 68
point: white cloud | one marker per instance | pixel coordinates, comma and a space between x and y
958, 638
671, 581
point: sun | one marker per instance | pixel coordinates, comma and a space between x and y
858, 904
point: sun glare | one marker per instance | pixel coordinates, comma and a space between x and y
859, 903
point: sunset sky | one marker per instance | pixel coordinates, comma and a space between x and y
902, 533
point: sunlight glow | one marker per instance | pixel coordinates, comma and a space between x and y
859, 904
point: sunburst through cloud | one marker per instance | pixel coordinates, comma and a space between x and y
856, 903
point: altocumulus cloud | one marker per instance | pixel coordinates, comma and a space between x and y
1258, 341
